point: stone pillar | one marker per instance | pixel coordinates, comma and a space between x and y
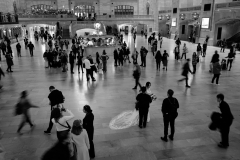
175, 16
63, 4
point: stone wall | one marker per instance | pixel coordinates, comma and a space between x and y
6, 6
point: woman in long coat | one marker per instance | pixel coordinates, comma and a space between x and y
104, 59
88, 125
9, 62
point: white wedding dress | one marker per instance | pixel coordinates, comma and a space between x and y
127, 118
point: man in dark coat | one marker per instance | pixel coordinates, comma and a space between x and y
169, 110
18, 47
227, 119
186, 69
56, 98
72, 58
115, 56
31, 47
143, 100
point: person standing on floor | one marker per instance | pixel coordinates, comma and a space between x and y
9, 61
161, 41
230, 58
186, 69
104, 57
216, 71
31, 47
60, 121
120, 57
127, 55
88, 126
194, 62
134, 55
18, 47
169, 111
158, 58
26, 42
3, 47
165, 59
226, 121
178, 43
115, 56
45, 56
98, 60
199, 50
56, 99
176, 52
80, 62
223, 45
72, 58
89, 71
185, 51
204, 48
24, 104
136, 75
143, 100
79, 136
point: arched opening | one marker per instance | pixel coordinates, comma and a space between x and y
148, 8
42, 9
123, 10
84, 11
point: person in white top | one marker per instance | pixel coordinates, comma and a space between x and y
61, 123
79, 136
89, 71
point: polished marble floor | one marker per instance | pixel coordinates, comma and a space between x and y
110, 95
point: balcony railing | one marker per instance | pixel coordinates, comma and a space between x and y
47, 16
124, 16
8, 18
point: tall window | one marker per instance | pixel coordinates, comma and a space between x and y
123, 10
84, 11
41, 8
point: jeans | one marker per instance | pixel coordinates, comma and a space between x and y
89, 72
158, 64
137, 82
50, 123
167, 119
143, 115
216, 76
80, 65
229, 62
26, 118
194, 68
183, 54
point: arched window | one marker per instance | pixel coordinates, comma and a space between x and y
148, 8
84, 11
124, 10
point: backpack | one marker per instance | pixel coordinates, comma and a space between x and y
18, 109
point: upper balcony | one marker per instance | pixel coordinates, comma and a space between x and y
124, 17
64, 17
8, 18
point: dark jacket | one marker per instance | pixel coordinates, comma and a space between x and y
72, 58
170, 106
144, 101
18, 47
226, 112
158, 57
88, 124
25, 105
56, 97
216, 68
186, 69
115, 54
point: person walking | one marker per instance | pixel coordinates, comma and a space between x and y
31, 47
169, 111
204, 48
72, 58
134, 56
165, 59
223, 45
98, 60
127, 55
56, 99
158, 58
26, 42
226, 121
104, 57
176, 52
136, 75
178, 43
9, 61
45, 56
199, 50
24, 105
89, 71
230, 58
214, 59
18, 47
185, 51
194, 62
60, 121
186, 69
115, 56
216, 71
161, 41
88, 126
143, 103
80, 62
79, 136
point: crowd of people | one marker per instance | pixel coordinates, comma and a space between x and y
76, 140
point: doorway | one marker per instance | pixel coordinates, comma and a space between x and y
219, 33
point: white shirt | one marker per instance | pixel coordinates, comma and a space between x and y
87, 63
63, 121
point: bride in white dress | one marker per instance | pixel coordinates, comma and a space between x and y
131, 117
